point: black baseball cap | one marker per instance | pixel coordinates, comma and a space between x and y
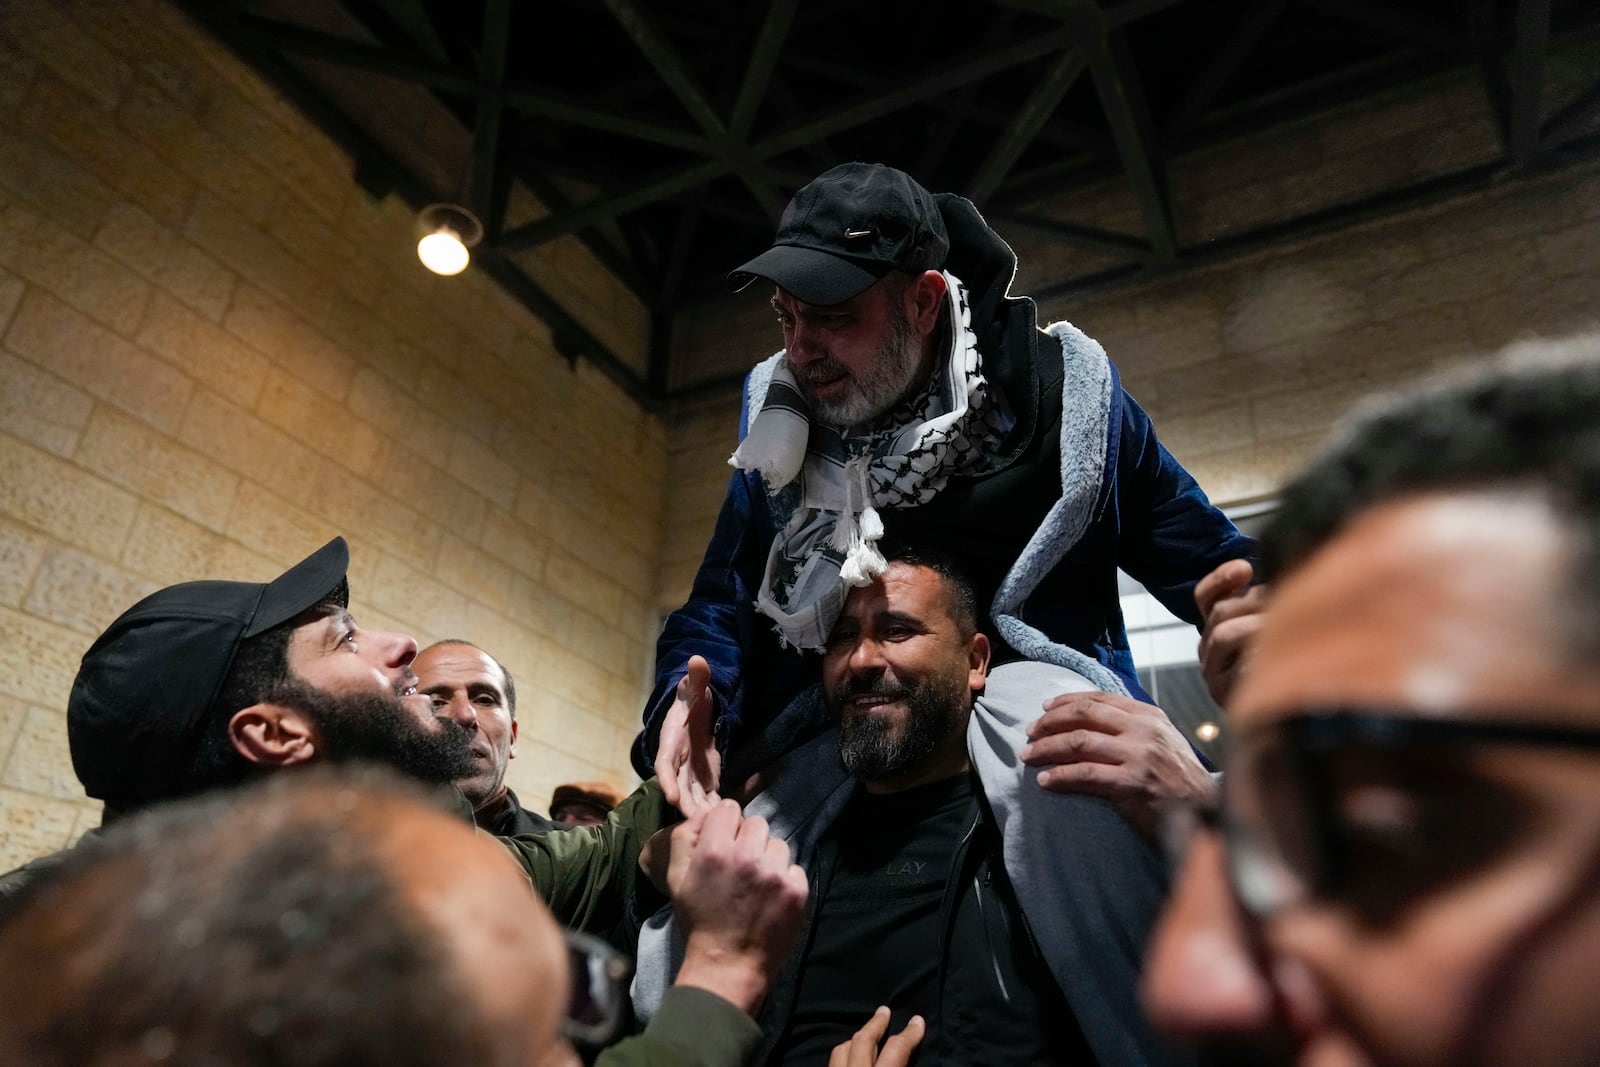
140, 702
848, 228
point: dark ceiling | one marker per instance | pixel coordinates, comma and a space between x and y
668, 135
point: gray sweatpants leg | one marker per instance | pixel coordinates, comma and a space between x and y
1089, 884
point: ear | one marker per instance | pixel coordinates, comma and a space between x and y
926, 295
511, 753
273, 735
978, 662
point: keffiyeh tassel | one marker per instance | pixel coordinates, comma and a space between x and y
859, 528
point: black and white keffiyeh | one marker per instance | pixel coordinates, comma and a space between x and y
829, 544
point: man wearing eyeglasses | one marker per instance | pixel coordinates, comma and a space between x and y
917, 395
1404, 867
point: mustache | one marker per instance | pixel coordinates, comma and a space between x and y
825, 369
879, 685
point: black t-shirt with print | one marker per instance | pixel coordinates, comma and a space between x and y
876, 939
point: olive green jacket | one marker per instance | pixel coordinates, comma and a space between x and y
589, 876
693, 1028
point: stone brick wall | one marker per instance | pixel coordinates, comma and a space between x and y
702, 438
1244, 365
216, 352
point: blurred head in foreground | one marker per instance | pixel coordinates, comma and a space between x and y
1405, 865
329, 917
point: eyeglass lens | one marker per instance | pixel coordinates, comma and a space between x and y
598, 987
1360, 809
1271, 826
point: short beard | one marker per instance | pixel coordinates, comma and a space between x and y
377, 727
886, 381
868, 746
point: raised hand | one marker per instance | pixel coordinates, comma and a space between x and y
1230, 612
740, 901
688, 765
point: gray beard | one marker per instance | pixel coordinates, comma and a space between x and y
890, 377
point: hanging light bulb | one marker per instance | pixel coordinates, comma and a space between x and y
445, 232
443, 253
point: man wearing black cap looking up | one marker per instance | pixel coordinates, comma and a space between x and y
914, 394
206, 685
